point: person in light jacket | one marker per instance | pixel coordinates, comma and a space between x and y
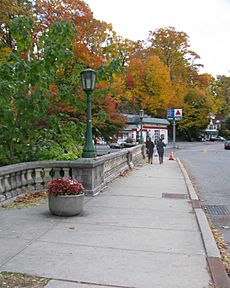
160, 150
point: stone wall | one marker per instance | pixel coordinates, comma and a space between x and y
94, 173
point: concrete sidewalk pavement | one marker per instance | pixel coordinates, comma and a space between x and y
145, 230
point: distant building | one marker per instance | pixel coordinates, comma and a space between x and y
219, 121
216, 123
153, 128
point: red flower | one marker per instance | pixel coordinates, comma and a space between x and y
69, 186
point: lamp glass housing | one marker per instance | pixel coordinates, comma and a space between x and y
141, 113
88, 79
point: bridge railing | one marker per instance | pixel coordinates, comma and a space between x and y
94, 173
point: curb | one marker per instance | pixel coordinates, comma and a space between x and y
216, 267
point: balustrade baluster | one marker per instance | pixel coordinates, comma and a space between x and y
66, 172
2, 189
47, 177
7, 186
13, 184
30, 180
18, 182
23, 181
57, 172
38, 179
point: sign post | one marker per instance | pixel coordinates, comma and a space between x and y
174, 134
175, 115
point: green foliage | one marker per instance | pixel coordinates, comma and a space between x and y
56, 152
222, 91
225, 134
35, 126
21, 29
63, 141
227, 122
58, 45
197, 106
192, 125
105, 72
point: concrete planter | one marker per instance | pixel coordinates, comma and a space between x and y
66, 205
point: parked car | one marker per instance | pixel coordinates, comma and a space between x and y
219, 138
227, 145
100, 141
130, 142
117, 144
201, 139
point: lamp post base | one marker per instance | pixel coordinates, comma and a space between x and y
89, 154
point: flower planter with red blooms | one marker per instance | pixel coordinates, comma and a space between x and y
65, 196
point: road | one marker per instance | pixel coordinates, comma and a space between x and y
104, 149
208, 166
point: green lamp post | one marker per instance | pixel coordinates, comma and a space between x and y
141, 115
88, 78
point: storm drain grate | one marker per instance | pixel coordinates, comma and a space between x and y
174, 196
216, 209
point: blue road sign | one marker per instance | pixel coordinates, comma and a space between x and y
170, 114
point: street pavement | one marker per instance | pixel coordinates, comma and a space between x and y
144, 230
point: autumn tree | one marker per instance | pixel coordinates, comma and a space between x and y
93, 46
36, 108
40, 85
91, 34
121, 48
195, 113
42, 99
227, 122
160, 93
149, 85
222, 91
173, 49
11, 9
193, 92
199, 101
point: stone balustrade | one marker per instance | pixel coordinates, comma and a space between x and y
94, 173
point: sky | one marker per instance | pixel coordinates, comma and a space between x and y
206, 22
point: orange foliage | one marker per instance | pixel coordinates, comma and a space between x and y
90, 33
150, 84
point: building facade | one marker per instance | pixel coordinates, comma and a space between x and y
216, 123
153, 128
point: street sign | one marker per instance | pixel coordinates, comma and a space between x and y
177, 114
170, 114
174, 114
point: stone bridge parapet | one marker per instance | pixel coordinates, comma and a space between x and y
94, 173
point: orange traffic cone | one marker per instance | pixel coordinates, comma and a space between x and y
171, 157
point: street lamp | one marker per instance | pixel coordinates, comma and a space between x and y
88, 78
141, 115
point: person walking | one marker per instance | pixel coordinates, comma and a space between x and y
150, 147
160, 150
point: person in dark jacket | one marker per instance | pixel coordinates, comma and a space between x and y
150, 147
160, 150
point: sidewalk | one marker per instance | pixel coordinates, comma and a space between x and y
141, 231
